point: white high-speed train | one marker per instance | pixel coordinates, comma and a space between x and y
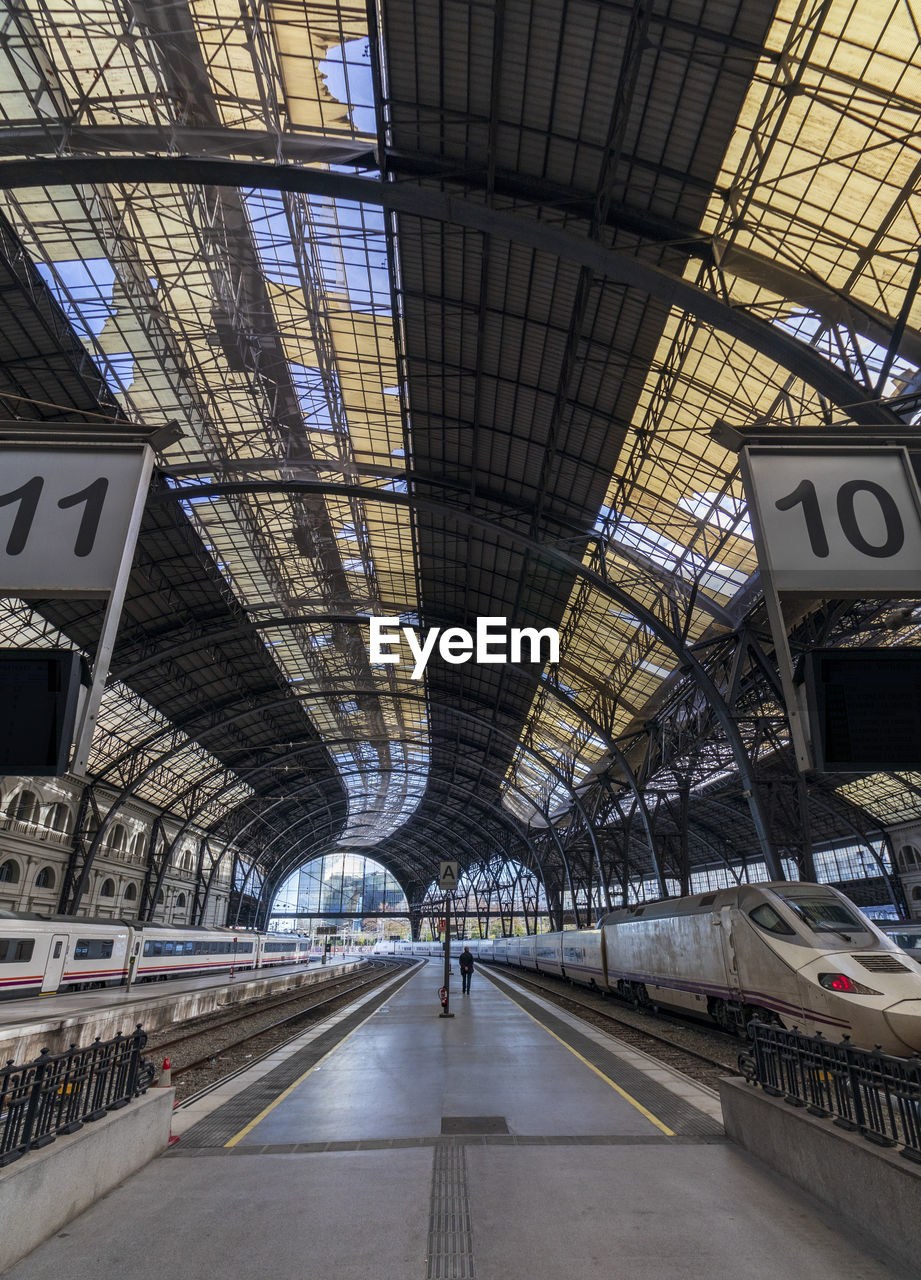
42, 955
796, 954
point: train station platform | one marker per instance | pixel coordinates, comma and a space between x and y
506, 1142
56, 1021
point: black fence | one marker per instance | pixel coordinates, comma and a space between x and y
864, 1090
59, 1092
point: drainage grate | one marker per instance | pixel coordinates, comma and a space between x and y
450, 1244
473, 1124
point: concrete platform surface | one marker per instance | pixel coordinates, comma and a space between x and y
56, 1021
393, 1144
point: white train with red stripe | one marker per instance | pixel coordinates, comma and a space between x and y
798, 954
41, 955
793, 953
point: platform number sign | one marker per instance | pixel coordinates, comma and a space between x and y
65, 515
838, 521
448, 873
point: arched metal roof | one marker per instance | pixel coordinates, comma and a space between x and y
447, 308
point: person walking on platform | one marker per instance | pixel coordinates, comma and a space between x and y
466, 968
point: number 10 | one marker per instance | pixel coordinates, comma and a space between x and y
805, 495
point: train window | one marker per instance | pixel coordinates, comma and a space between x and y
92, 949
825, 915
768, 918
167, 948
906, 940
16, 950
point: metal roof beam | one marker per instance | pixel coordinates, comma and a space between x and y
570, 567
797, 358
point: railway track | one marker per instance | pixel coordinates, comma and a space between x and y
250, 1008
693, 1059
228, 1055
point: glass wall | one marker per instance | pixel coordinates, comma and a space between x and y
338, 889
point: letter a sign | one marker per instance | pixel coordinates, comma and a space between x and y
448, 875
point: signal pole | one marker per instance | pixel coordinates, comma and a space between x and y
446, 987
448, 873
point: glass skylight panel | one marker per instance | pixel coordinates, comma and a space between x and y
812, 328
84, 291
720, 510
347, 72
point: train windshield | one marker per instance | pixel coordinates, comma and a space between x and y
826, 915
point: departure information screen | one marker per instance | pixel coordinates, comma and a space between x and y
864, 709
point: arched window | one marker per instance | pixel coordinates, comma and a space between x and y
117, 840
131, 893
137, 845
108, 889
909, 856
9, 872
26, 807
45, 879
180, 901
59, 818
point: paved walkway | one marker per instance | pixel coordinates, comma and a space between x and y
503, 1144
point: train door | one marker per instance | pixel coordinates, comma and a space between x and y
731, 963
54, 968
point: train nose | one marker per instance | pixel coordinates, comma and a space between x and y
904, 1019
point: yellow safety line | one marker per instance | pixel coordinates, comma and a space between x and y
669, 1133
291, 1087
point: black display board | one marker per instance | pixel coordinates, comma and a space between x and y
864, 709
39, 692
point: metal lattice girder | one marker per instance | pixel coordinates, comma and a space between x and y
572, 567
794, 356
592, 253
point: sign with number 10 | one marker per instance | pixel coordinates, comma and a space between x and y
64, 517
839, 521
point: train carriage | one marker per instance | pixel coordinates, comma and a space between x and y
548, 953
41, 955
798, 954
167, 951
282, 948
526, 951
44, 955
582, 956
500, 950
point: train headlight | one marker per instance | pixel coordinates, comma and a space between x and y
847, 986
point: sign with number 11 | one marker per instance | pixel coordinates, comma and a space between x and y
65, 516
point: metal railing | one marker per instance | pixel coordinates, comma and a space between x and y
58, 1093
864, 1090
